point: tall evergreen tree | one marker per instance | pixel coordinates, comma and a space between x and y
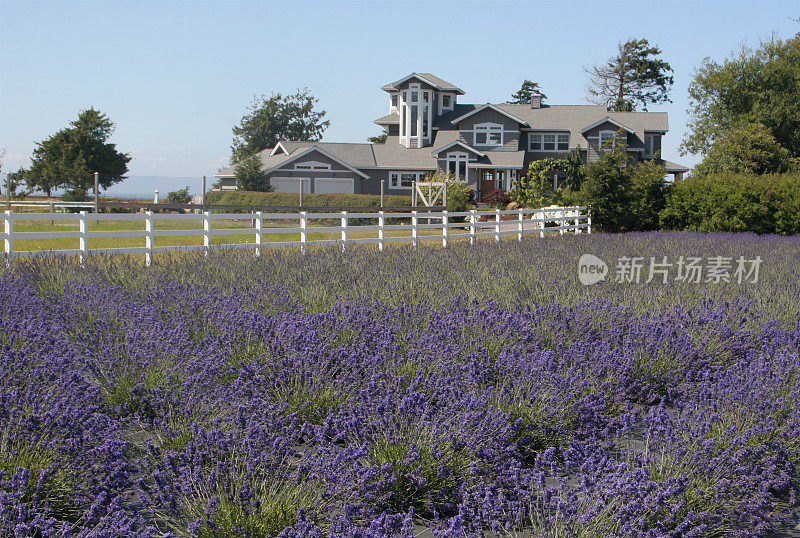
69, 158
635, 76
523, 96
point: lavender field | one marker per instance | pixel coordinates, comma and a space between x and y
473, 391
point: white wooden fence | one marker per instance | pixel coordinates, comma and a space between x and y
441, 224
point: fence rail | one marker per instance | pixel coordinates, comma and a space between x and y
467, 225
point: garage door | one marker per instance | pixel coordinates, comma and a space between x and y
329, 185
289, 184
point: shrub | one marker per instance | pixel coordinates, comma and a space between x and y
311, 200
181, 196
732, 202
497, 198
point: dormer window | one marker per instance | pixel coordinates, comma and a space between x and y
488, 134
447, 101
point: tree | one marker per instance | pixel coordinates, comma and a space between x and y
636, 75
14, 180
380, 139
523, 96
275, 118
749, 148
536, 188
753, 86
181, 196
250, 176
648, 195
69, 158
607, 189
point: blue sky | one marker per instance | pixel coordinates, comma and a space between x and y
176, 76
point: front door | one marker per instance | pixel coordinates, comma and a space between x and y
487, 182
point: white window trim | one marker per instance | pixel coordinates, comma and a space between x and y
310, 166
458, 157
441, 102
540, 147
394, 179
486, 128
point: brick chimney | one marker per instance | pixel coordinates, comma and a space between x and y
536, 99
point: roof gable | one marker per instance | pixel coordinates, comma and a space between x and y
457, 143
607, 120
459, 119
321, 151
427, 78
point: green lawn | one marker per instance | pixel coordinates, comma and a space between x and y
218, 238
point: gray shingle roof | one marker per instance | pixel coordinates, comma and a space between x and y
576, 117
433, 80
391, 119
674, 167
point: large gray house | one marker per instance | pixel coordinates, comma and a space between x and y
486, 145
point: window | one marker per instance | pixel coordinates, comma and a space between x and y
447, 101
425, 127
457, 164
488, 134
649, 145
414, 97
414, 116
607, 140
312, 165
548, 142
425, 96
394, 100
535, 141
404, 180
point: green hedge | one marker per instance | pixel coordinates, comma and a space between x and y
731, 202
309, 200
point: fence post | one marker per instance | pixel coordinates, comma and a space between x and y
561, 223
414, 228
148, 238
497, 225
206, 232
96, 195
521, 218
577, 221
381, 224
589, 221
259, 233
303, 232
83, 241
473, 219
8, 229
52, 210
344, 231
542, 223
445, 228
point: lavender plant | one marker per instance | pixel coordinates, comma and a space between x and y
469, 391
